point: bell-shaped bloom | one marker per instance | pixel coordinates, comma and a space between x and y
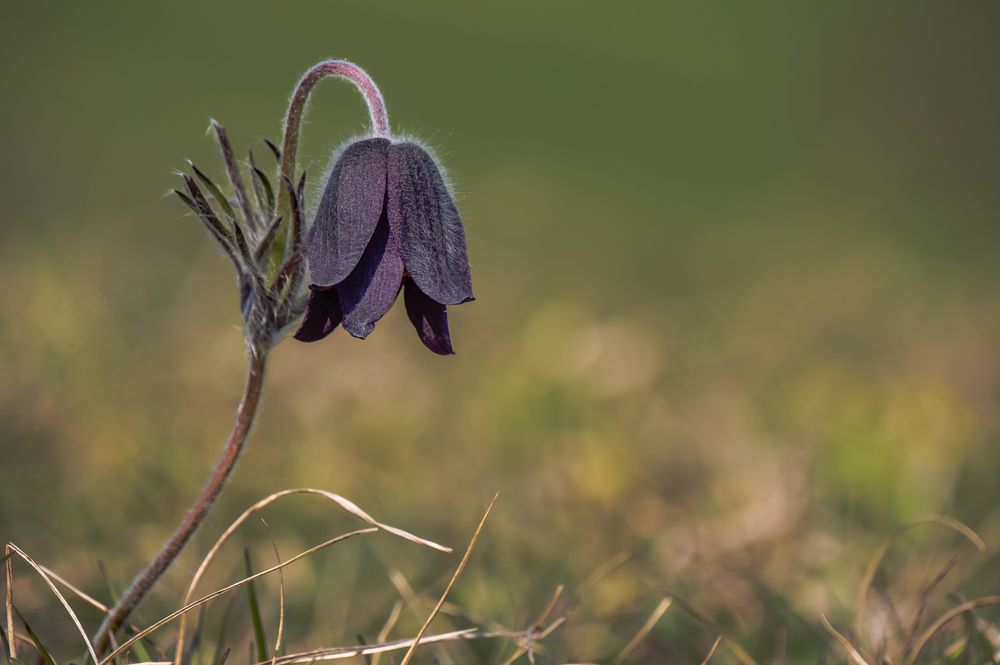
386, 221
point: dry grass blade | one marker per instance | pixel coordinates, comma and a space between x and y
538, 625
712, 650
12, 548
82, 595
646, 629
340, 501
741, 654
383, 635
415, 606
23, 639
90, 600
534, 636
601, 572
340, 653
992, 635
43, 654
864, 589
5, 645
451, 582
851, 650
922, 604
556, 595
9, 601
281, 598
943, 620
215, 594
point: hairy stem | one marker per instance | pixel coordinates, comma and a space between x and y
145, 580
293, 128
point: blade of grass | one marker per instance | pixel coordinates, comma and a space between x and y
383, 635
537, 632
556, 595
90, 600
644, 631
5, 643
922, 605
340, 501
741, 654
260, 639
219, 656
281, 597
362, 643
235, 585
711, 652
451, 583
9, 601
851, 650
195, 647
42, 651
415, 606
339, 653
943, 620
538, 625
140, 648
11, 547
868, 579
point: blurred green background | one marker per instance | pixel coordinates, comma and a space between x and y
736, 268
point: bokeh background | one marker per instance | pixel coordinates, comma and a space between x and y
736, 268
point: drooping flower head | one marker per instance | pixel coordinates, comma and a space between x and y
386, 222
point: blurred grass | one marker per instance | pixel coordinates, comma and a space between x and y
736, 279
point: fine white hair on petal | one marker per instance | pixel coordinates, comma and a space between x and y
318, 186
406, 137
315, 194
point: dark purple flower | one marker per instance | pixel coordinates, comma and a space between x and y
386, 221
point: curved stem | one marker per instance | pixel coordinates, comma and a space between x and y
145, 580
297, 106
293, 128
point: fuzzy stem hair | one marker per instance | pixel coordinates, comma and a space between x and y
145, 580
293, 128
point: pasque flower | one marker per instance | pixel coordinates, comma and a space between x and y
386, 222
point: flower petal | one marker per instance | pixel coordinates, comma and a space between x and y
429, 317
322, 316
348, 212
429, 229
369, 291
